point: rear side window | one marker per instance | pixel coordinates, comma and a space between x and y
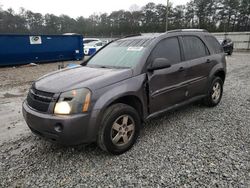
213, 42
193, 47
168, 48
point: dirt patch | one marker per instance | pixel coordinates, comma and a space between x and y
191, 147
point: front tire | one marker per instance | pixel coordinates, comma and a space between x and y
119, 129
215, 92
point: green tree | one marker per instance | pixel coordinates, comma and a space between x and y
178, 16
191, 21
213, 15
67, 24
34, 22
244, 16
52, 24
150, 19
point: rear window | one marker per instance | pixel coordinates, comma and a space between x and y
194, 48
214, 44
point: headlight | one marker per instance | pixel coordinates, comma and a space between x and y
72, 102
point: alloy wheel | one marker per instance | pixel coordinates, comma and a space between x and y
216, 92
123, 130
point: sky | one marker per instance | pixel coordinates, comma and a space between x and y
76, 8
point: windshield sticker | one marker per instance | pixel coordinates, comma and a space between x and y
137, 49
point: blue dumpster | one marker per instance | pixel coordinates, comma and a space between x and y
25, 49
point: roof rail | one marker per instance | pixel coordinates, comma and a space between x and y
132, 35
127, 36
187, 30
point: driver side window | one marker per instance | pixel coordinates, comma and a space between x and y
167, 48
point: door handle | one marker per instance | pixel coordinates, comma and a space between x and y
208, 61
181, 69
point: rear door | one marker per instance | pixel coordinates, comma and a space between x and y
198, 59
166, 86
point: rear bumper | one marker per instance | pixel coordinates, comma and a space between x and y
227, 48
66, 130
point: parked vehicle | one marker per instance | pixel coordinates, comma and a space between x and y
92, 47
124, 84
227, 45
88, 40
106, 41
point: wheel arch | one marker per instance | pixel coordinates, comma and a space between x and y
129, 98
218, 70
220, 73
132, 101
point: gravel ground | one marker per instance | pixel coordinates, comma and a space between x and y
191, 147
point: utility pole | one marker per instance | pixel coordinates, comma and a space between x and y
167, 15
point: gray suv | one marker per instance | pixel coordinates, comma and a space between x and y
131, 80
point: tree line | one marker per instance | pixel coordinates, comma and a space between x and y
213, 15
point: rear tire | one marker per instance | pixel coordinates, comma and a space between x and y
119, 129
215, 93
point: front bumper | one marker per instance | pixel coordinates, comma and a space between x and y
74, 129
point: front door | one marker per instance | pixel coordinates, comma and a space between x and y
167, 86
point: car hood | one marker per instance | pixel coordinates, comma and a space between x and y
79, 77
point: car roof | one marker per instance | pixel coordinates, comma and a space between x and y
156, 35
147, 38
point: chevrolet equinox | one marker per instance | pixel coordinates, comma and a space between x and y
108, 97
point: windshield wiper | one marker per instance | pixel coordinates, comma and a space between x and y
104, 67
109, 67
99, 66
120, 67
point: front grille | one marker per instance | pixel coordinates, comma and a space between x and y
39, 100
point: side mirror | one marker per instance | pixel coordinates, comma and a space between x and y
159, 63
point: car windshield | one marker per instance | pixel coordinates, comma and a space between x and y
85, 41
120, 54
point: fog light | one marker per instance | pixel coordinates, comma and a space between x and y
58, 127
